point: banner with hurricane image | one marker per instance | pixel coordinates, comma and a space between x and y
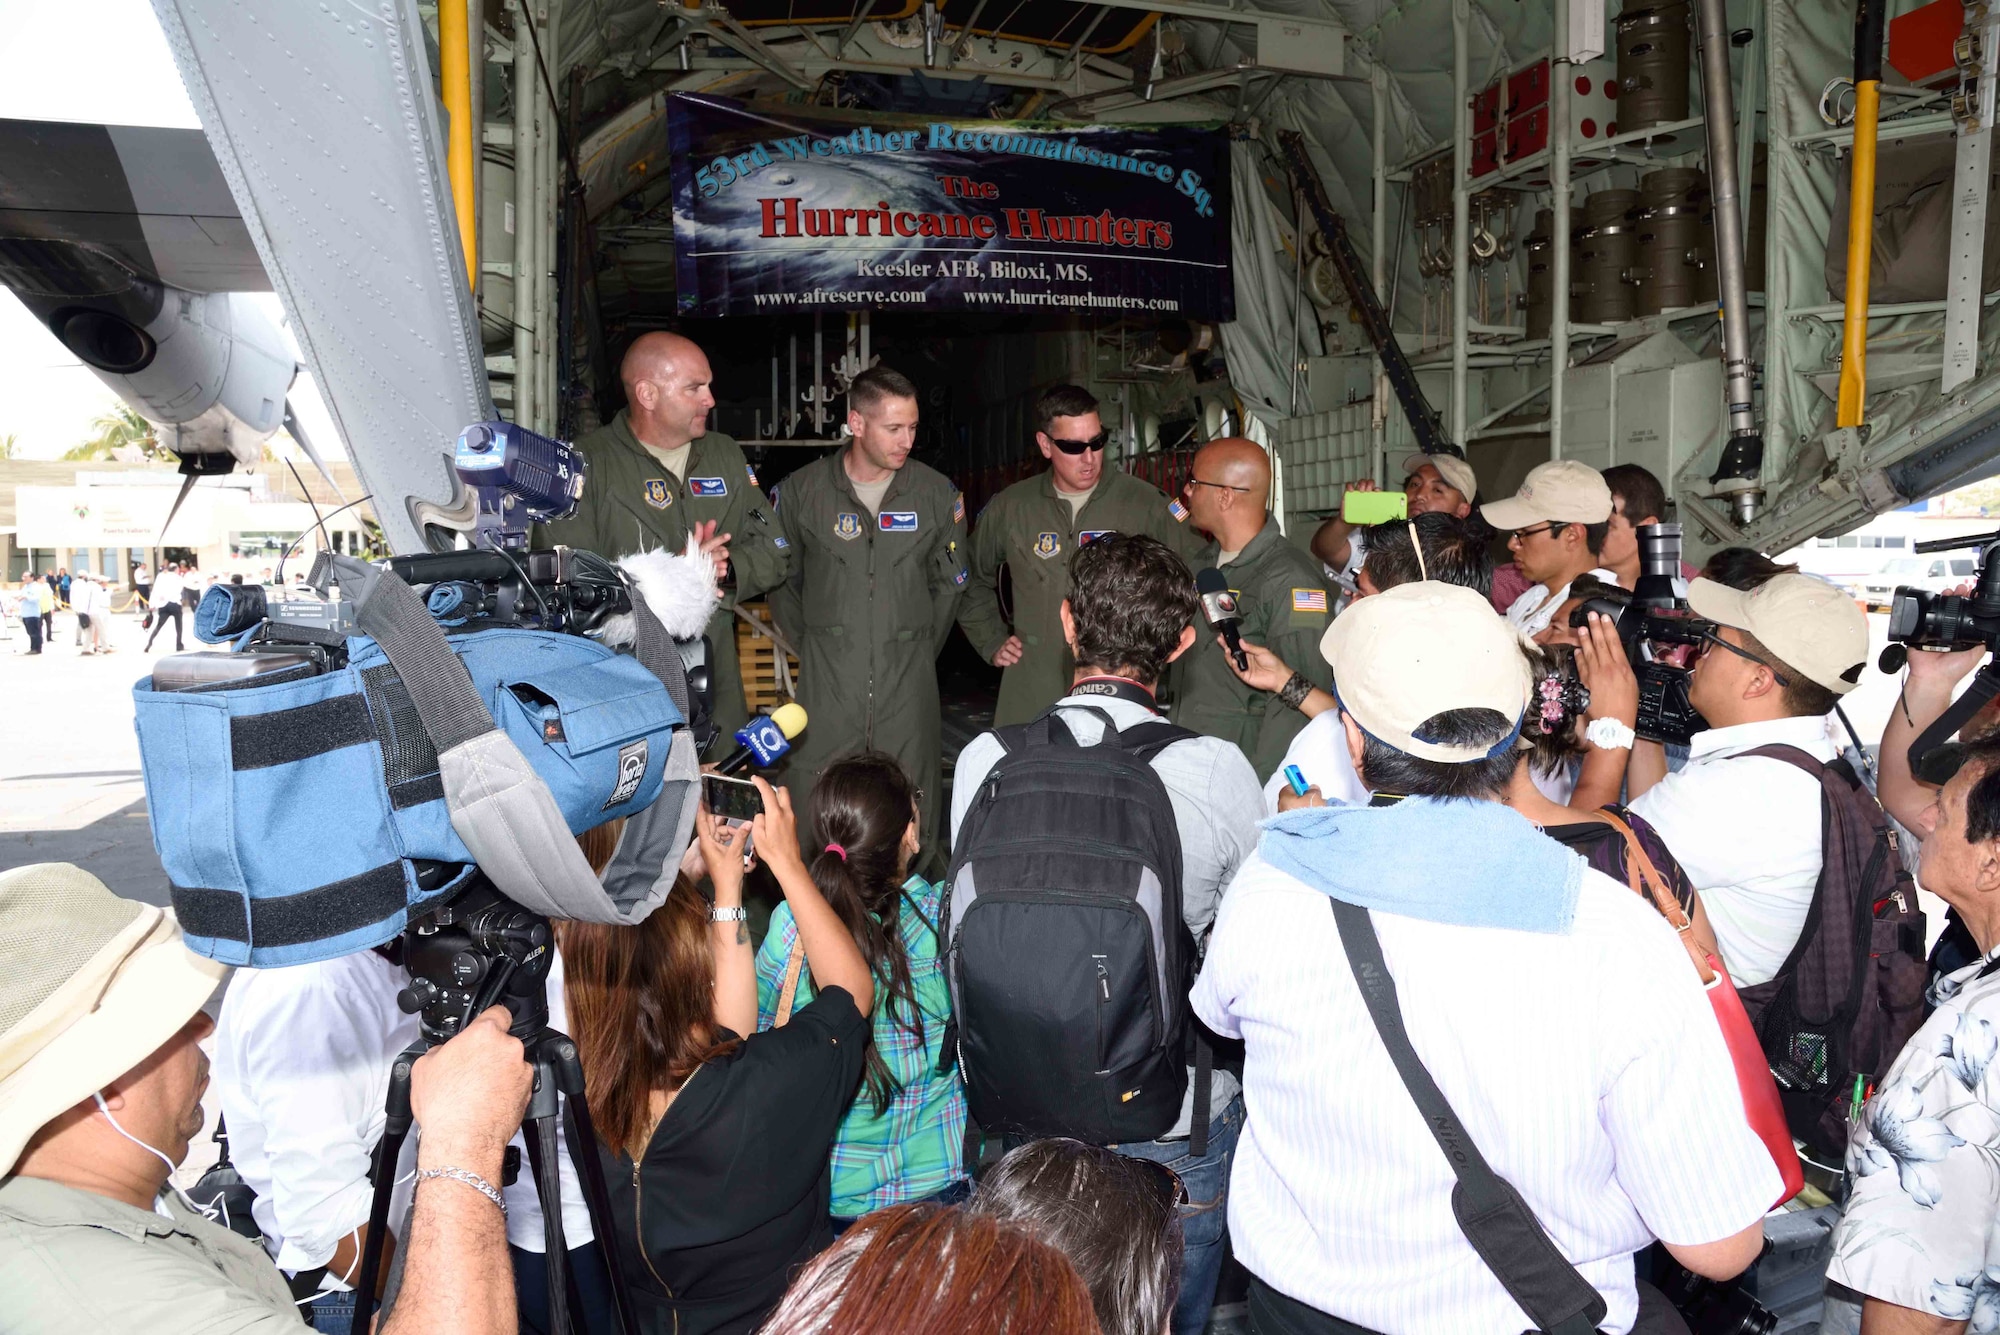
803, 209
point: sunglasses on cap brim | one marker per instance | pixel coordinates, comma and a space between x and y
1096, 442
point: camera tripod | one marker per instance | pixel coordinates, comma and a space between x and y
476, 951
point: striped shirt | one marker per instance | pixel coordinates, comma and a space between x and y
1586, 1066
916, 1147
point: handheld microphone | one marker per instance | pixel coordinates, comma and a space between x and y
763, 739
1219, 605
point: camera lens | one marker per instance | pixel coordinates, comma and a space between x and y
1907, 613
1660, 549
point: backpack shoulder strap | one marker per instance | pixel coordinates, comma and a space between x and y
1791, 755
1148, 739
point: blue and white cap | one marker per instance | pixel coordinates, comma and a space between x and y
1404, 656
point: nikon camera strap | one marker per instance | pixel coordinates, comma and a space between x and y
1496, 1221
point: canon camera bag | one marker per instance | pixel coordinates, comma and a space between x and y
1851, 993
1067, 956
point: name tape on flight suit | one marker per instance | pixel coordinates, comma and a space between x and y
897, 521
707, 486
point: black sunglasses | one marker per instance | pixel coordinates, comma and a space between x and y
1170, 1182
1096, 442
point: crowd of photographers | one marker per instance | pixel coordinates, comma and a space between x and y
1440, 1013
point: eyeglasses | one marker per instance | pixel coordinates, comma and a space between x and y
1712, 637
1094, 444
1219, 486
1551, 528
1170, 1181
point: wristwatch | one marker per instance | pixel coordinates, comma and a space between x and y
737, 914
1608, 734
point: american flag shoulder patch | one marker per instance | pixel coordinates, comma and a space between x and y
1178, 511
958, 509
751, 472
1309, 600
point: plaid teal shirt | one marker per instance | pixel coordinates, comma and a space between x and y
916, 1148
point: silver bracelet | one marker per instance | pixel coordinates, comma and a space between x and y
470, 1179
737, 914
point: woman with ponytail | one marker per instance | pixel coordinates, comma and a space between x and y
903, 1138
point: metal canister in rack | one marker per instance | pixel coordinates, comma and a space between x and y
1605, 253
1652, 65
1674, 259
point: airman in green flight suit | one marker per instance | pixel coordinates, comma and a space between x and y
1032, 528
658, 474
878, 548
1281, 599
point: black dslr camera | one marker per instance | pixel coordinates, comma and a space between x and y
1653, 626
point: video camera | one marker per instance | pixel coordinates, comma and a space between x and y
456, 720
1921, 619
1653, 626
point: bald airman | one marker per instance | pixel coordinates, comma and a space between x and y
1281, 599
658, 474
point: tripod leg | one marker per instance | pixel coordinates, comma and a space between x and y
395, 1129
561, 1051
540, 1135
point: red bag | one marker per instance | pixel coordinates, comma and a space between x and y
1761, 1105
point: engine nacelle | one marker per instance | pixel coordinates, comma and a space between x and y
210, 368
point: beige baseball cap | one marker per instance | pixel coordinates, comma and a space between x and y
1418, 650
1455, 471
1561, 491
1806, 622
90, 986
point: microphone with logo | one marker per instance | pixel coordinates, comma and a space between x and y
765, 738
1218, 604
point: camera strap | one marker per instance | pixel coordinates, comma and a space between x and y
1494, 1218
1985, 685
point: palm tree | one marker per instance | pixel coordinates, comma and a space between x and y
8, 443
119, 429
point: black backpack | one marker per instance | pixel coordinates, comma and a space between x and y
1851, 993
1067, 956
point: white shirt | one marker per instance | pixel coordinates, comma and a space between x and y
1320, 751
524, 1207
1748, 833
302, 1058
1533, 610
1587, 1067
1216, 811
166, 589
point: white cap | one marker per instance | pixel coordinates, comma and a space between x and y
1810, 625
1455, 471
1417, 650
1561, 491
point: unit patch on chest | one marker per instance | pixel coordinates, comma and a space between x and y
658, 494
1047, 545
897, 521
847, 526
707, 486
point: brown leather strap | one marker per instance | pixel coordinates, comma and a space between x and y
788, 992
1646, 881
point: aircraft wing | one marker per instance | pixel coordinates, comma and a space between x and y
150, 198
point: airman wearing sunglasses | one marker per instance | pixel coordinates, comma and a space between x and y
1032, 528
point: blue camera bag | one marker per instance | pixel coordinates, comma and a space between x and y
290, 817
